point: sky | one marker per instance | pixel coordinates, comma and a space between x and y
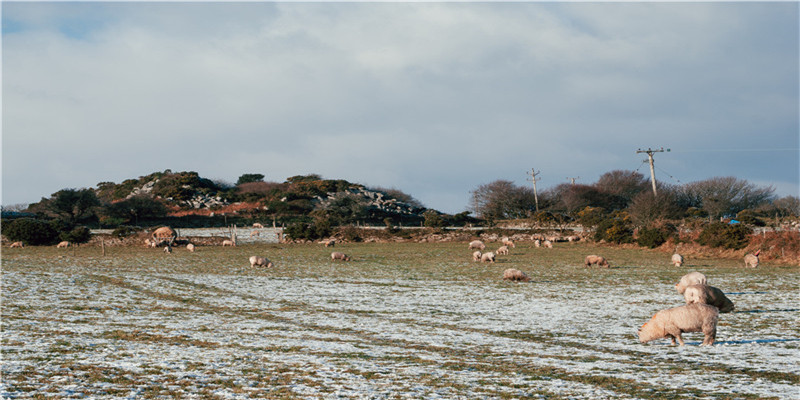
434, 99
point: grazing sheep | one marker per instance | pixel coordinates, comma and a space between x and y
692, 278
339, 256
256, 261
508, 243
330, 243
476, 256
168, 249
150, 243
503, 250
710, 295
228, 243
477, 244
751, 260
255, 233
677, 259
573, 238
593, 259
513, 274
17, 244
547, 244
670, 323
537, 243
63, 244
488, 257
190, 247
257, 225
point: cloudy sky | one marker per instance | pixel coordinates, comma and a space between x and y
433, 99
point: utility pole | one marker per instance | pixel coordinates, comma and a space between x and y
650, 152
573, 179
533, 174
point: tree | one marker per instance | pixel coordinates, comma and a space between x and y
30, 231
622, 183
502, 199
136, 208
646, 208
71, 205
248, 178
721, 196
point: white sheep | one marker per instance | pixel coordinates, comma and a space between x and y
190, 247
339, 256
670, 323
692, 278
477, 244
594, 259
227, 242
537, 243
255, 233
513, 274
488, 257
330, 243
257, 225
476, 256
751, 260
677, 259
17, 244
508, 243
63, 245
547, 244
256, 261
168, 249
710, 295
503, 250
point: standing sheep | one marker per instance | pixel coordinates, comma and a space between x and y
227, 242
488, 257
672, 322
593, 259
513, 274
477, 244
168, 249
508, 243
503, 250
190, 247
330, 243
677, 260
339, 256
17, 244
476, 256
257, 225
537, 243
692, 278
63, 245
710, 295
255, 233
751, 260
256, 261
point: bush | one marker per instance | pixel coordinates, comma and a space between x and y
125, 230
308, 231
654, 237
723, 235
614, 231
30, 232
79, 234
350, 233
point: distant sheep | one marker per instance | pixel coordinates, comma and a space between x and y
255, 233
227, 242
573, 238
488, 257
476, 256
513, 274
190, 247
17, 244
63, 245
547, 244
168, 249
508, 243
150, 243
672, 322
751, 260
339, 256
257, 225
503, 250
594, 259
677, 260
256, 261
477, 244
710, 295
330, 243
537, 243
692, 278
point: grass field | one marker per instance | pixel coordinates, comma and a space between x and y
407, 320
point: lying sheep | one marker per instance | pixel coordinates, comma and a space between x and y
190, 247
488, 257
228, 243
547, 244
477, 244
508, 243
63, 245
710, 295
692, 278
339, 256
677, 260
17, 244
503, 250
593, 259
513, 274
256, 261
751, 260
672, 322
476, 256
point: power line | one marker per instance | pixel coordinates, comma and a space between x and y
736, 150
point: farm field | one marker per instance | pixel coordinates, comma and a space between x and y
401, 320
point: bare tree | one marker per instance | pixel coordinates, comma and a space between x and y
646, 208
502, 199
722, 196
623, 183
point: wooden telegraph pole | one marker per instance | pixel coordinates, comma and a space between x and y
573, 179
533, 174
650, 152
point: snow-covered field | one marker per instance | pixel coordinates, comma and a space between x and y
141, 324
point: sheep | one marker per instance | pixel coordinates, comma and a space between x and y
168, 249
63, 245
339, 256
150, 243
256, 261
477, 244
692, 278
677, 259
227, 242
329, 243
593, 259
488, 257
508, 243
547, 244
257, 225
255, 233
670, 323
190, 247
503, 250
476, 256
751, 260
710, 295
537, 243
513, 274
573, 238
17, 244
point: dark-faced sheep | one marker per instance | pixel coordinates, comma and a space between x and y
751, 260
477, 244
513, 274
329, 243
537, 243
692, 278
594, 259
677, 260
672, 322
710, 295
339, 256
168, 249
256, 261
488, 257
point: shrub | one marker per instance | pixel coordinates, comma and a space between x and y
30, 231
309, 231
614, 231
654, 237
723, 235
79, 234
124, 231
433, 219
350, 233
